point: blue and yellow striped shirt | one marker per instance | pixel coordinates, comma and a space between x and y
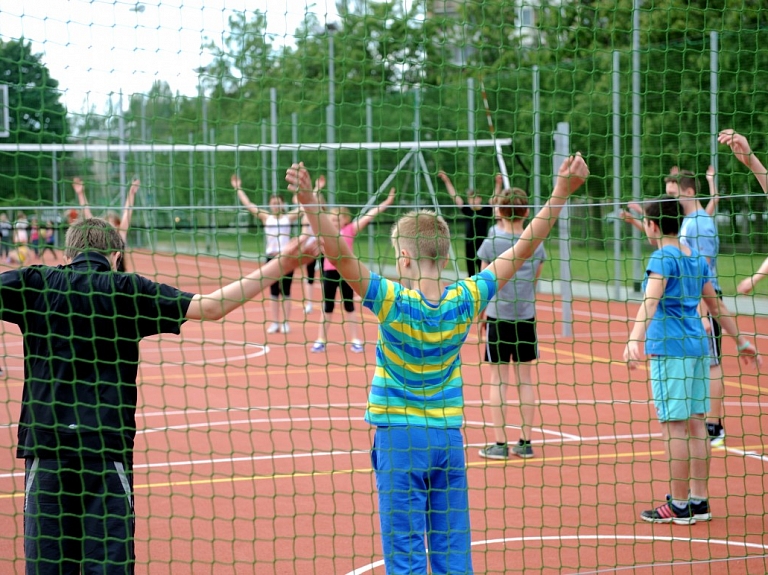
418, 365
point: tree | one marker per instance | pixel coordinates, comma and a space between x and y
36, 116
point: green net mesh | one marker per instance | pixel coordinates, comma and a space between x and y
177, 120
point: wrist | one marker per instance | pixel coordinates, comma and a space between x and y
743, 343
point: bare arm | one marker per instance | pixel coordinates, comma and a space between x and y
362, 222
351, 269
654, 291
572, 174
714, 197
631, 220
743, 153
245, 200
125, 220
77, 185
218, 303
723, 315
747, 285
450, 189
498, 185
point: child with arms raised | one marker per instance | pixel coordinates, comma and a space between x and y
675, 340
416, 398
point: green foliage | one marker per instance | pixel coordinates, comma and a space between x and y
36, 116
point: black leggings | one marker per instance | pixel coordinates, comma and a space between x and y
470, 252
281, 286
331, 282
311, 272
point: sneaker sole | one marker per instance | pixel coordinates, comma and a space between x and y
496, 457
676, 521
524, 455
702, 516
717, 441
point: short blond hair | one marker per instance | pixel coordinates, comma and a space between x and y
423, 234
92, 235
512, 203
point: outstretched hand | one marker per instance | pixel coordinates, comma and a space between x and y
390, 198
236, 182
77, 185
737, 143
572, 174
299, 181
319, 184
135, 184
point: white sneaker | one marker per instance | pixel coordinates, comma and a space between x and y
274, 327
285, 328
308, 308
318, 347
357, 346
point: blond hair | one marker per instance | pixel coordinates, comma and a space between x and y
423, 234
92, 234
512, 203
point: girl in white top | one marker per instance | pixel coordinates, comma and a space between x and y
277, 231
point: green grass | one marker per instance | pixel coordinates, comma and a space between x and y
587, 264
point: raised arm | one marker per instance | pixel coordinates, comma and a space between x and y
720, 312
450, 189
714, 197
743, 153
220, 302
237, 185
361, 222
572, 174
352, 270
77, 185
629, 218
125, 220
498, 185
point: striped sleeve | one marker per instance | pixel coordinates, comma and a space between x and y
482, 288
380, 296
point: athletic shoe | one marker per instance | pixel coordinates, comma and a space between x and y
357, 347
274, 327
716, 434
318, 347
700, 510
1, 371
285, 328
669, 513
308, 309
523, 449
495, 451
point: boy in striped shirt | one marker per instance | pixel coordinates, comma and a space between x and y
416, 399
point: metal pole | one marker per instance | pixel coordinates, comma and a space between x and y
295, 135
471, 130
637, 271
331, 121
273, 121
264, 156
416, 131
238, 235
714, 67
144, 168
617, 259
192, 213
536, 140
121, 138
562, 147
206, 179
211, 210
369, 154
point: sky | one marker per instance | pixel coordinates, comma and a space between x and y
97, 47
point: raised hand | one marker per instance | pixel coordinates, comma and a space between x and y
135, 184
572, 174
236, 182
737, 143
77, 185
299, 181
391, 197
710, 173
319, 183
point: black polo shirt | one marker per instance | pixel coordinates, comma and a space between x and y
82, 324
477, 222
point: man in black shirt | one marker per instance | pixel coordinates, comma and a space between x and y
82, 324
477, 220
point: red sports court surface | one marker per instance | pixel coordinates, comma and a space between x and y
252, 455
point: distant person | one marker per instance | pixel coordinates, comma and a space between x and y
48, 241
6, 236
277, 230
478, 219
21, 231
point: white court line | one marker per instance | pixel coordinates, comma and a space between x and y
616, 538
751, 454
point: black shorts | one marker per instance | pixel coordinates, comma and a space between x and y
715, 339
331, 283
78, 514
281, 286
511, 341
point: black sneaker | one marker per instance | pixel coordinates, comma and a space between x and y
523, 449
716, 434
669, 513
700, 510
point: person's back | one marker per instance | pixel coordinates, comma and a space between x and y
418, 365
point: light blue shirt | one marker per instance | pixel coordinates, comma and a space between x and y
699, 234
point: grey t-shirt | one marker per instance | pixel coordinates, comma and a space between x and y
517, 299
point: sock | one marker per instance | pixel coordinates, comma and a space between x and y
501, 444
697, 500
680, 504
524, 441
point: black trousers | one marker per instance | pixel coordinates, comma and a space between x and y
78, 517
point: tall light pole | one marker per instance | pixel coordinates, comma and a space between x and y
331, 115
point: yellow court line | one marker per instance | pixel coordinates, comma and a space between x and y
606, 360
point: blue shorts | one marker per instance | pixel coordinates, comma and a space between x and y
680, 386
421, 477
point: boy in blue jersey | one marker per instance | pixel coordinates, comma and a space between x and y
677, 279
698, 232
416, 400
